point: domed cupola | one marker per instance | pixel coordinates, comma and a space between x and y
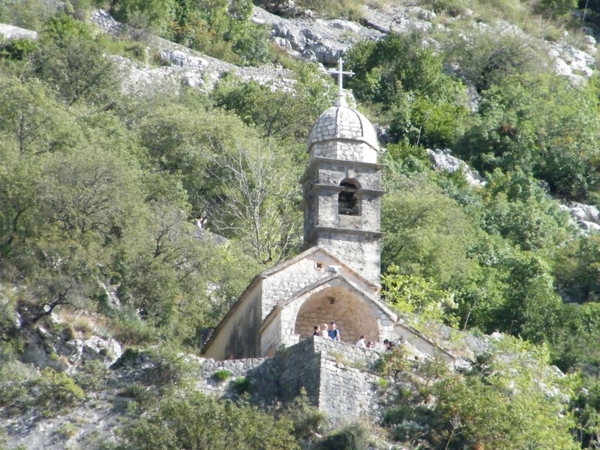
343, 133
343, 122
342, 187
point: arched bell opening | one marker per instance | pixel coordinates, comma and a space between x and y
352, 315
348, 198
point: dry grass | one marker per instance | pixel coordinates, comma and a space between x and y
83, 325
525, 15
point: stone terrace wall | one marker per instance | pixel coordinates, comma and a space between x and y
348, 387
281, 378
337, 378
347, 394
348, 354
237, 368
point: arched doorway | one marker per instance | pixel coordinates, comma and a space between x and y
352, 315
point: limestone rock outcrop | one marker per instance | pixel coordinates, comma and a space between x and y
11, 32
443, 160
586, 217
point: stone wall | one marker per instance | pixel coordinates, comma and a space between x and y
237, 368
238, 336
344, 150
287, 282
360, 252
337, 378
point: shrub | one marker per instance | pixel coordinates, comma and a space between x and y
352, 437
57, 391
308, 420
222, 375
67, 431
29, 14
129, 329
63, 26
141, 394
488, 57
201, 422
554, 8
92, 375
84, 327
348, 9
241, 385
170, 367
17, 49
155, 15
393, 362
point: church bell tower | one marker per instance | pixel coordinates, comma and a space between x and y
342, 188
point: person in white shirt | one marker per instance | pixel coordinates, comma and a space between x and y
324, 331
361, 342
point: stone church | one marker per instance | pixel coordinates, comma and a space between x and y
337, 276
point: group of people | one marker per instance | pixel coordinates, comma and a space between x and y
332, 332
362, 344
323, 331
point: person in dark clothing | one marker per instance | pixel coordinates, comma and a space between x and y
389, 345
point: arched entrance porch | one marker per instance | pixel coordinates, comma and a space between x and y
352, 315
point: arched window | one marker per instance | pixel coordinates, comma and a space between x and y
348, 199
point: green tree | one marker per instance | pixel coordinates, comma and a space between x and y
29, 14
405, 78
577, 269
88, 192
551, 134
415, 294
427, 234
259, 200
78, 69
31, 123
200, 422
517, 208
246, 187
487, 56
155, 15
510, 399
276, 113
556, 8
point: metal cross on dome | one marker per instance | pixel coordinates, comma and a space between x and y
340, 73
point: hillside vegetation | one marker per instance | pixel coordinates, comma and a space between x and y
100, 191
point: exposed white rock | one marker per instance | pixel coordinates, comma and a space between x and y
323, 41
283, 43
12, 32
315, 39
585, 217
561, 67
106, 22
178, 58
570, 61
96, 347
443, 160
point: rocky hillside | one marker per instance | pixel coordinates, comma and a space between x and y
150, 156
